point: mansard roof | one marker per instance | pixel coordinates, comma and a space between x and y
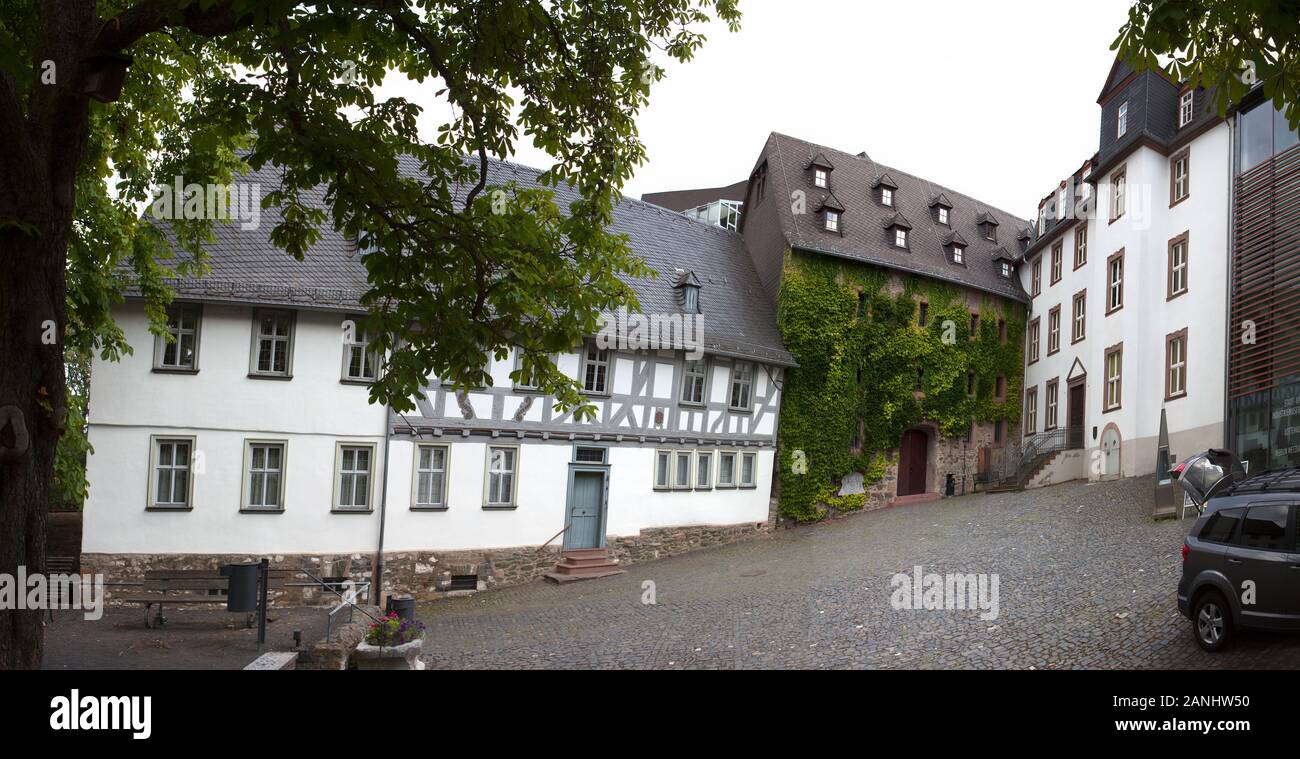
247, 268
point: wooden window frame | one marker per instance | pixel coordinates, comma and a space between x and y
1051, 404
1058, 262
513, 471
291, 325
1079, 297
1118, 189
585, 361
1117, 348
1183, 155
175, 312
1034, 340
1081, 246
417, 474
1185, 240
1031, 411
1169, 344
1036, 277
1110, 282
246, 487
151, 495
1054, 335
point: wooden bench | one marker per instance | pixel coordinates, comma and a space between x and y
191, 586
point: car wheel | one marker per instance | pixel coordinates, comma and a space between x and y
1212, 621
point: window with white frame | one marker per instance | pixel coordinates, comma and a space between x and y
1053, 394
430, 477
359, 361
695, 375
703, 470
958, 254
529, 383
727, 469
943, 215
1114, 377
1053, 330
1178, 266
1080, 325
886, 196
171, 473
264, 486
748, 473
832, 220
502, 466
179, 348
1118, 193
820, 178
682, 470
1122, 120
272, 337
1031, 411
1006, 270
1185, 108
354, 469
900, 238
1115, 283
595, 369
1176, 351
742, 384
663, 470
1182, 176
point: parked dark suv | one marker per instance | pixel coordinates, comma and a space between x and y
1241, 564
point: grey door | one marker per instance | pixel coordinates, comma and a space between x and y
586, 502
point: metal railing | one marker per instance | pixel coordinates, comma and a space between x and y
347, 598
1012, 462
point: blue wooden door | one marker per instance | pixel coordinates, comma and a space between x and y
585, 506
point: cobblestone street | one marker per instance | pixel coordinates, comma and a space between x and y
1087, 579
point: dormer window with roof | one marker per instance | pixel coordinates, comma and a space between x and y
897, 228
831, 209
1005, 263
954, 246
821, 169
884, 187
988, 226
1186, 109
1122, 120
958, 254
941, 208
688, 289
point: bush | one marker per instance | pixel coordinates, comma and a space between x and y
394, 631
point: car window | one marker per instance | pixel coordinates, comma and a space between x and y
1221, 525
1265, 527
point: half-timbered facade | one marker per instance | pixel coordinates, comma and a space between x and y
250, 432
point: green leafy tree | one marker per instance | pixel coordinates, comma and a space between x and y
217, 86
1229, 45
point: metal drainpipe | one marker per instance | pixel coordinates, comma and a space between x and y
383, 511
1228, 331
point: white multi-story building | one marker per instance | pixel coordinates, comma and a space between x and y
251, 433
1128, 274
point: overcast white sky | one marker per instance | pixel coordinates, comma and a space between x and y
996, 100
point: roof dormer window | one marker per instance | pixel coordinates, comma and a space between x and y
941, 208
1186, 109
988, 226
821, 169
958, 254
884, 187
1122, 120
1006, 270
832, 220
688, 289
821, 178
900, 238
896, 229
831, 209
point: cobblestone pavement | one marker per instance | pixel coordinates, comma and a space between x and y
1086, 580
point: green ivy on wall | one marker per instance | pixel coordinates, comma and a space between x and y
862, 368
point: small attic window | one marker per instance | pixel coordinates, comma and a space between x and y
941, 214
1186, 109
1122, 120
958, 254
691, 299
1006, 269
900, 237
820, 177
831, 220
886, 197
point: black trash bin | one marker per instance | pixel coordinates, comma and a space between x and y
950, 487
403, 605
241, 591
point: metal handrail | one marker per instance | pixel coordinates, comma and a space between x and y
553, 537
346, 603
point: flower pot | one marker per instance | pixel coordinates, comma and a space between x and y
405, 656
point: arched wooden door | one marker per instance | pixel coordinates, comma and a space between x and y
912, 454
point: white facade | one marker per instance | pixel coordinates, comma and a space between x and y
1120, 439
312, 418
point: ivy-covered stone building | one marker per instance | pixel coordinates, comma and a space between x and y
900, 302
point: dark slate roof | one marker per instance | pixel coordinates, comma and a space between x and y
861, 235
738, 320
685, 200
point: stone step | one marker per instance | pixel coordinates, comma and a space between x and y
559, 578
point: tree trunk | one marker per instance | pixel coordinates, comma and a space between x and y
32, 403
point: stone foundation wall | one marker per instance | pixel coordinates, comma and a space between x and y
424, 575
